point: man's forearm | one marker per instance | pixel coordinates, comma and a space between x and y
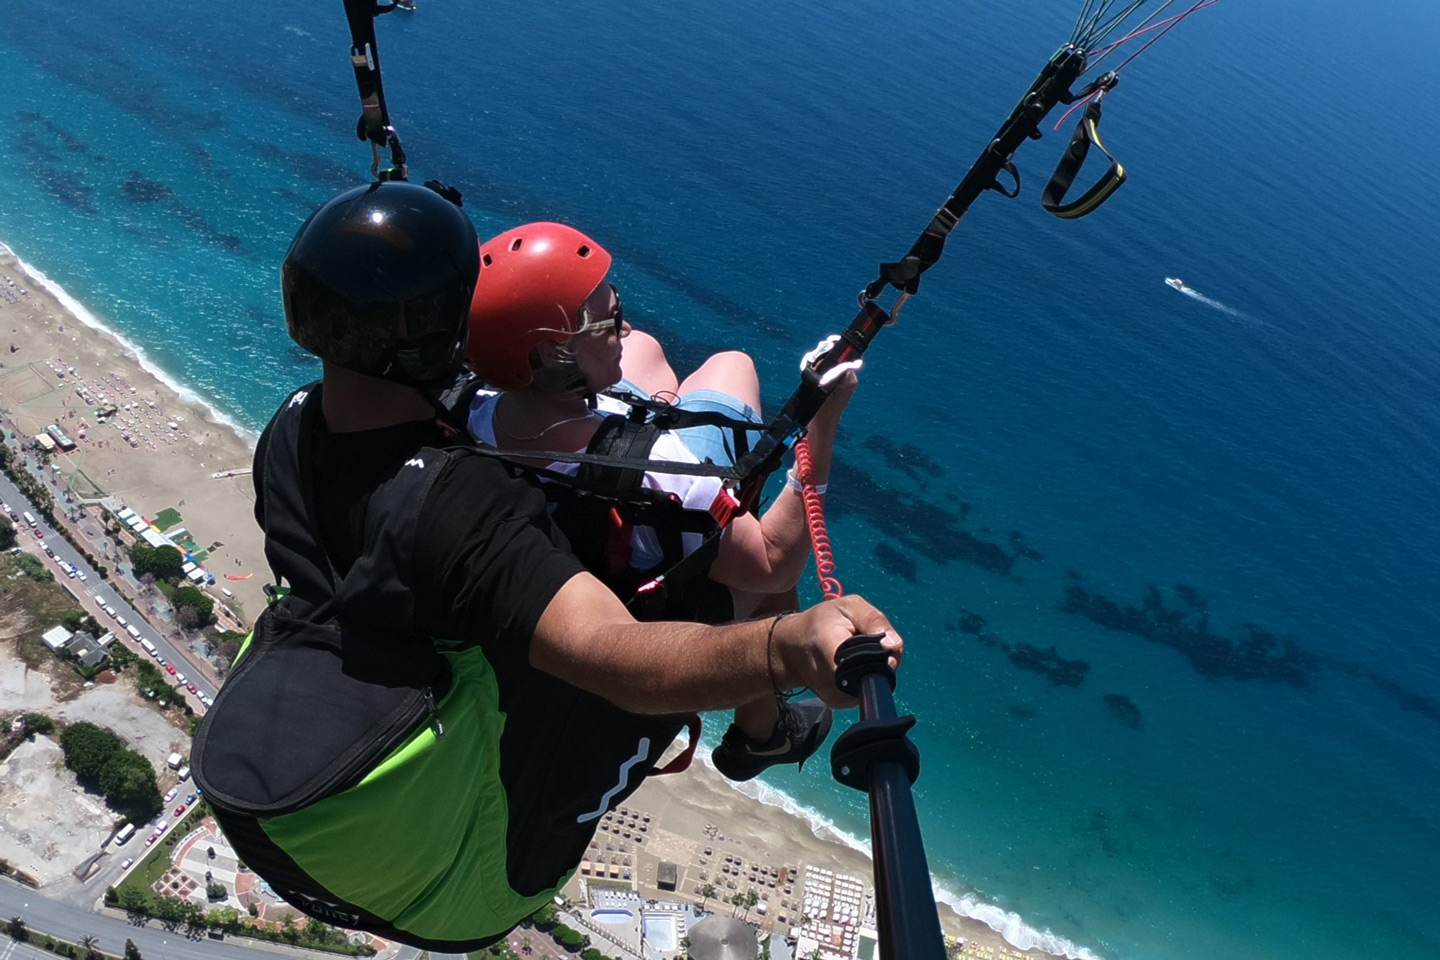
587, 639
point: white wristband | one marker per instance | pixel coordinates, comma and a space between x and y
793, 482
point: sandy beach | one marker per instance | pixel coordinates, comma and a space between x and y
715, 834
50, 362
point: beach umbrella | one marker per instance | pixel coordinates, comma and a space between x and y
723, 938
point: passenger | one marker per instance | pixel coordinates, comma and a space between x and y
548, 330
421, 735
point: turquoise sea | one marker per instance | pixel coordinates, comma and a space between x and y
1166, 563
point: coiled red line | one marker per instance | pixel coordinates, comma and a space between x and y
815, 519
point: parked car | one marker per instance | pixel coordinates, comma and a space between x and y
125, 864
190, 799
171, 795
80, 573
180, 679
151, 839
192, 688
170, 669
180, 809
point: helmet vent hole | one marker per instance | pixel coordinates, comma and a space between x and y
584, 250
487, 260
515, 244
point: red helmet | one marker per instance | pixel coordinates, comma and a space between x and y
533, 280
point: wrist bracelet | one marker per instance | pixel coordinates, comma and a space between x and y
793, 482
780, 692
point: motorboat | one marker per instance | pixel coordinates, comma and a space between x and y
1175, 282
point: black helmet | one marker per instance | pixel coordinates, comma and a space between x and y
379, 281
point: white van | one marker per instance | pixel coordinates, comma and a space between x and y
149, 647
120, 620
228, 594
126, 832
110, 612
29, 519
130, 629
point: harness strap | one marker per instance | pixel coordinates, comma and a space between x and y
1087, 133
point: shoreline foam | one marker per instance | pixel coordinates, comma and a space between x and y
1007, 923
82, 313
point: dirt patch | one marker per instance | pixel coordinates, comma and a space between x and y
49, 824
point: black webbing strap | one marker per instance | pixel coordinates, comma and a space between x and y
374, 124
1087, 133
1052, 86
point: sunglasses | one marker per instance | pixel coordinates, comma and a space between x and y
604, 325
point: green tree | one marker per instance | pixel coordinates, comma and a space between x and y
88, 748
193, 598
706, 892
17, 930
128, 782
132, 952
88, 944
193, 917
39, 723
225, 918
162, 563
751, 898
168, 910
133, 902
7, 534
31, 566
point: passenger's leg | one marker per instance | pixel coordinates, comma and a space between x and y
643, 363
727, 384
731, 373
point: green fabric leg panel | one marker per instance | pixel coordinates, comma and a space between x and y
421, 839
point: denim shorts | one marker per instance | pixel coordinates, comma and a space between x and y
715, 444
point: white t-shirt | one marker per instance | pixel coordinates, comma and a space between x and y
695, 493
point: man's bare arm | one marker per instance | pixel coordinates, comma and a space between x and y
587, 638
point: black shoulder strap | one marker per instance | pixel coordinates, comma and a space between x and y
623, 441
292, 547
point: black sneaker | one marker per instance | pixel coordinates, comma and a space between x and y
801, 729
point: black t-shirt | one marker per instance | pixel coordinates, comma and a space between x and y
488, 560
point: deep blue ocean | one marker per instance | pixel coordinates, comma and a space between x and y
1166, 564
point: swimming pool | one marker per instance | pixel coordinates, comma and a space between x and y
659, 931
611, 916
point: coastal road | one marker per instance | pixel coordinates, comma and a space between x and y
155, 943
95, 590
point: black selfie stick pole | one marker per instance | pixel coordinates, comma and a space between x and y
876, 756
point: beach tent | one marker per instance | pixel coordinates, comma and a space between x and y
154, 539
196, 575
187, 568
